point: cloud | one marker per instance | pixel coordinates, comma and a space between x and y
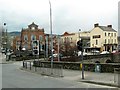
67, 15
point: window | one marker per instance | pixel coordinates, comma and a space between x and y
33, 37
96, 42
40, 37
33, 28
71, 40
111, 40
25, 37
115, 34
105, 33
115, 40
26, 46
105, 41
111, 34
96, 36
108, 34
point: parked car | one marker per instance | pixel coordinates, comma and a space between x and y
115, 51
105, 52
84, 53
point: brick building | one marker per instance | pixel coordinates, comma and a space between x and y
16, 43
30, 34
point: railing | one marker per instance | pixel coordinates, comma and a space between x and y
42, 69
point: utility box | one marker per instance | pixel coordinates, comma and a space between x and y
97, 68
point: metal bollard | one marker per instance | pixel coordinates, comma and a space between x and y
26, 65
30, 65
23, 64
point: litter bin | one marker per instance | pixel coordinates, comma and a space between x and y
97, 68
117, 76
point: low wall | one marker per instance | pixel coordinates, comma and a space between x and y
109, 67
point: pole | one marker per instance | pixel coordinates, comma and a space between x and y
6, 39
47, 47
51, 35
82, 57
58, 49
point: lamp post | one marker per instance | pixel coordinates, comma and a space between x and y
51, 35
5, 39
82, 55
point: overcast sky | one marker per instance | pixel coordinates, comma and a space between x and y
67, 15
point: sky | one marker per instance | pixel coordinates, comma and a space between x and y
67, 15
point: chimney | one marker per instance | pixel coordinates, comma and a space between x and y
110, 26
96, 25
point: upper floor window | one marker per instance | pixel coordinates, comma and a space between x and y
96, 42
111, 34
40, 37
33, 37
105, 33
71, 40
108, 34
25, 37
96, 36
105, 41
33, 28
115, 34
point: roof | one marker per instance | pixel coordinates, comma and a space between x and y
104, 28
33, 24
68, 34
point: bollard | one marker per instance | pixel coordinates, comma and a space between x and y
30, 65
26, 65
23, 64
35, 66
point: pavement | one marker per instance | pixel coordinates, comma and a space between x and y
107, 79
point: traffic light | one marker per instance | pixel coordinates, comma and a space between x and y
35, 47
80, 45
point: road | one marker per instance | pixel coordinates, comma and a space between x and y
13, 77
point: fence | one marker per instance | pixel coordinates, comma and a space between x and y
56, 71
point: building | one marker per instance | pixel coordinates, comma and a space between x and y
16, 43
31, 34
68, 42
103, 38
119, 43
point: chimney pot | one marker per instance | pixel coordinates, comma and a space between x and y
109, 26
96, 25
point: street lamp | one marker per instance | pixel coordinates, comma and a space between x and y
5, 39
51, 35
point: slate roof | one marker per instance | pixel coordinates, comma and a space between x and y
105, 28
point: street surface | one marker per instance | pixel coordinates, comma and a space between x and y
13, 77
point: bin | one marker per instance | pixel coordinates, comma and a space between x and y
97, 68
117, 76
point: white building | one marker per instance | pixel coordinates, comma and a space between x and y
103, 38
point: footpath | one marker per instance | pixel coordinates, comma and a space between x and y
109, 79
